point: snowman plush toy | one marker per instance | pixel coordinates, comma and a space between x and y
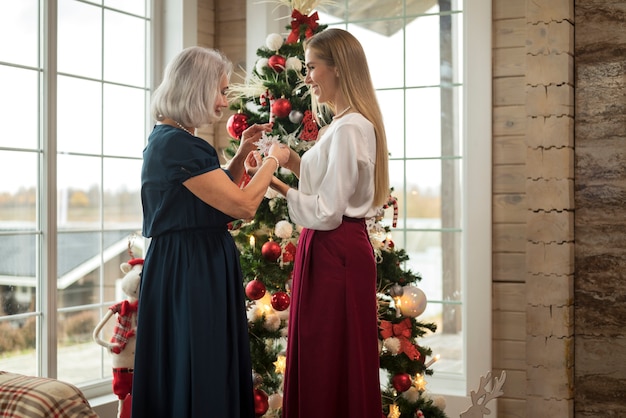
122, 342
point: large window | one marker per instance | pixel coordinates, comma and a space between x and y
430, 62
415, 56
74, 77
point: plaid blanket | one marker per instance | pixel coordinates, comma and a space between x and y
38, 397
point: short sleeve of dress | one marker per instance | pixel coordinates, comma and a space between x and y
172, 156
191, 159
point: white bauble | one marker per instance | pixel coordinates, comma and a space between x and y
272, 322
412, 302
283, 229
392, 344
275, 401
274, 41
439, 402
261, 65
412, 394
293, 63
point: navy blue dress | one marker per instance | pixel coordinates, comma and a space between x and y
193, 356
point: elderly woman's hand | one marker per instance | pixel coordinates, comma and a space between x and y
251, 135
253, 162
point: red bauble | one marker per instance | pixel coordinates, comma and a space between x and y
281, 108
401, 382
261, 403
280, 301
255, 289
236, 124
277, 63
271, 250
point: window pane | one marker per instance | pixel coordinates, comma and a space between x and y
76, 347
18, 274
122, 199
384, 53
18, 193
19, 114
449, 345
124, 121
423, 129
79, 37
18, 286
137, 7
82, 281
396, 176
392, 105
79, 189
360, 10
423, 181
423, 65
19, 23
79, 115
124, 50
17, 344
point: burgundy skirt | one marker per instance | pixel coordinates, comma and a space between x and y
332, 349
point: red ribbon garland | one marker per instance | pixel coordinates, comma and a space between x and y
402, 331
297, 20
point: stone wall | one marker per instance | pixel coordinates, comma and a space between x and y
600, 199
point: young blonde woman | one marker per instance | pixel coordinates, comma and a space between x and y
332, 353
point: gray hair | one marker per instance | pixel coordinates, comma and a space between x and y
190, 87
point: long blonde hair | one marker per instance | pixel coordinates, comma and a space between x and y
340, 49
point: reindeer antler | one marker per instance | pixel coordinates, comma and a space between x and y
479, 407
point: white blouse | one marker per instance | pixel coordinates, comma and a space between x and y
336, 176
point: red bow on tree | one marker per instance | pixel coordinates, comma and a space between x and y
297, 20
402, 331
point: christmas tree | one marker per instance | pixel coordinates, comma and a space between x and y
275, 91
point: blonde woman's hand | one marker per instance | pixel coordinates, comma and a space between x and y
280, 151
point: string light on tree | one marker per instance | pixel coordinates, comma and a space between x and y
280, 363
432, 361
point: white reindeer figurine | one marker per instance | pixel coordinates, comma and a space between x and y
478, 408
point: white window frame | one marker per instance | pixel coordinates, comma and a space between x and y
477, 163
98, 392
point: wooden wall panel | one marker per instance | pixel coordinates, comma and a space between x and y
230, 39
550, 216
509, 203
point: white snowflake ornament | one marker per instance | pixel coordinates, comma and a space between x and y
265, 143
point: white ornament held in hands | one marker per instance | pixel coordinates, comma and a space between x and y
265, 143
